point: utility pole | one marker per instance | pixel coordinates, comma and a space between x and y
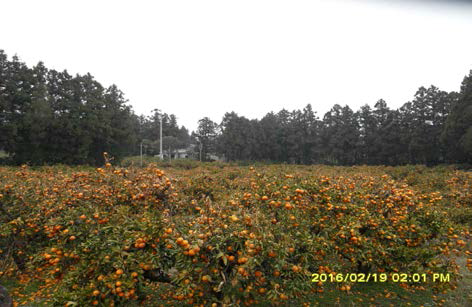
141, 153
200, 150
161, 155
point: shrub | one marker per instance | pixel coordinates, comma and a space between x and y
228, 235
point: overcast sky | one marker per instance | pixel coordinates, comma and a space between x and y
205, 58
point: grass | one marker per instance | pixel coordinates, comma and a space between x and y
362, 294
376, 294
21, 297
462, 296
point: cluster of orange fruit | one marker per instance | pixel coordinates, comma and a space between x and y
233, 236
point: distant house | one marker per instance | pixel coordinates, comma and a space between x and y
190, 152
183, 153
180, 154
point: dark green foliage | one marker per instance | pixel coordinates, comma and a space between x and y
52, 117
378, 135
426, 120
49, 117
206, 138
237, 140
340, 136
457, 135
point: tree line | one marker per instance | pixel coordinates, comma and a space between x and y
49, 117
435, 127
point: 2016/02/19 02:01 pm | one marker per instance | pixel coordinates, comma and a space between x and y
380, 277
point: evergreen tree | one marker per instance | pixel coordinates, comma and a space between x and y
206, 136
340, 136
269, 131
368, 135
457, 134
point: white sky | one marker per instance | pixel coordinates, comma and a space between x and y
205, 58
